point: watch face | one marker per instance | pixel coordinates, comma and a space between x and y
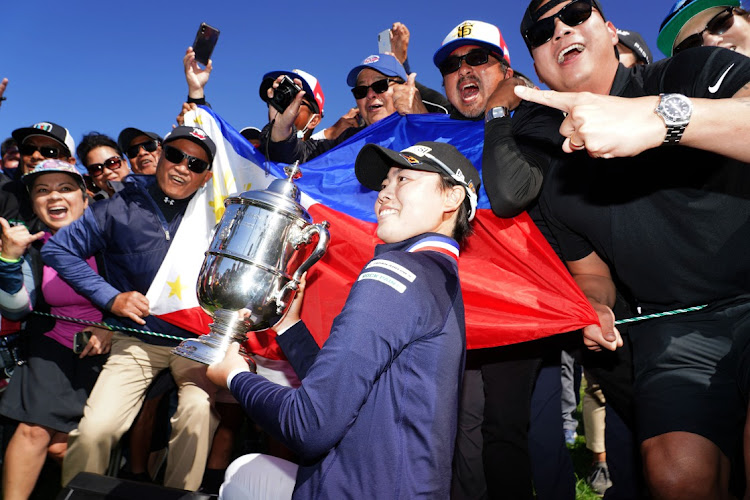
674, 108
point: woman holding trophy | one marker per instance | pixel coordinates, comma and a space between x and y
375, 416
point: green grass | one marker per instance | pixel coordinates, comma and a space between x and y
581, 464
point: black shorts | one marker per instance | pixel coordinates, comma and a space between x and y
692, 374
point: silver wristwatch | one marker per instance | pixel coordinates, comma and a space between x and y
496, 112
675, 110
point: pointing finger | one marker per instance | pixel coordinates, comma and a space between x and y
560, 100
411, 80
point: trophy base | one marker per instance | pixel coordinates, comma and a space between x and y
212, 348
199, 350
203, 352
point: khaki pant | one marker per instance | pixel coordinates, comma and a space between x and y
117, 397
594, 413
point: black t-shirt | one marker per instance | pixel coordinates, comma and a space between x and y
673, 223
169, 207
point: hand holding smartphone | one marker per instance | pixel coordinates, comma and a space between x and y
80, 341
384, 41
205, 41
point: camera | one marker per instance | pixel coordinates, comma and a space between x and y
284, 94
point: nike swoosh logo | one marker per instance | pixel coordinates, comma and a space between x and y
714, 88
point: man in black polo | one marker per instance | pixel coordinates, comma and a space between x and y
668, 217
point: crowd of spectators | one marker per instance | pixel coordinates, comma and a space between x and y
635, 171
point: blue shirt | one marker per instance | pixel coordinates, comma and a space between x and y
375, 416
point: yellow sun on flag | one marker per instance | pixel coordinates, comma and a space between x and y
218, 208
175, 288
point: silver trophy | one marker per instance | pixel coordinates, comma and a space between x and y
258, 253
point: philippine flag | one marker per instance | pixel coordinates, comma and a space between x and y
514, 286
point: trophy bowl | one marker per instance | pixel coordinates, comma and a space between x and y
258, 253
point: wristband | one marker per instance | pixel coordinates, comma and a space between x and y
11, 261
233, 374
496, 112
200, 101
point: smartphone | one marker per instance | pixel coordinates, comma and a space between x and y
284, 94
205, 41
80, 340
384, 41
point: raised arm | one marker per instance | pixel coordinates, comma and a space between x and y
3, 86
610, 127
195, 76
517, 150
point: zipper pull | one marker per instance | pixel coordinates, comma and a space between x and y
167, 233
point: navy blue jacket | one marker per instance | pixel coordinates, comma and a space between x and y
375, 416
133, 236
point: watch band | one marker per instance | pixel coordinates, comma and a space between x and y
676, 116
674, 134
496, 112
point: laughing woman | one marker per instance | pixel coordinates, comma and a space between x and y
47, 394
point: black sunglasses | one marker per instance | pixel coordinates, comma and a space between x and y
149, 146
573, 14
174, 155
97, 169
46, 151
360, 91
475, 57
718, 25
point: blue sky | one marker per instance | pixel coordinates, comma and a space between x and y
105, 66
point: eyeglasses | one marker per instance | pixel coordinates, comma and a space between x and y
148, 146
718, 25
475, 57
573, 14
97, 169
380, 86
46, 151
176, 156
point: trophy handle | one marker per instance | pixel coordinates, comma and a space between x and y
324, 237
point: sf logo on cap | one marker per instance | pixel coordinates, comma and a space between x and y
464, 30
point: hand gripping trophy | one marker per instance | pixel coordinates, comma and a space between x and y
253, 266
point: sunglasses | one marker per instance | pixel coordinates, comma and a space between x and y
718, 25
475, 57
573, 14
97, 169
174, 155
148, 146
46, 151
360, 91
